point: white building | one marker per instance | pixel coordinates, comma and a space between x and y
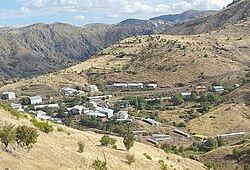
218, 89
8, 95
47, 105
152, 86
76, 110
35, 100
93, 88
67, 91
96, 114
41, 114
108, 112
123, 115
17, 106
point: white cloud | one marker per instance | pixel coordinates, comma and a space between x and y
117, 8
79, 17
112, 16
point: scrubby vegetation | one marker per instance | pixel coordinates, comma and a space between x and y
99, 165
130, 158
43, 126
24, 136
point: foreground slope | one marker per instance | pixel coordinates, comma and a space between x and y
58, 150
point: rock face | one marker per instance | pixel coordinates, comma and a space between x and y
160, 23
42, 48
237, 11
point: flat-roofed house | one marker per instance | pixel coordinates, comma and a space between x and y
35, 100
8, 95
218, 89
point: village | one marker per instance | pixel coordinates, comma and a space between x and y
95, 110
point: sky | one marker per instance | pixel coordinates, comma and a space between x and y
19, 13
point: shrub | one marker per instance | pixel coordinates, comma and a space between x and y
147, 156
60, 130
7, 135
45, 127
81, 146
210, 165
128, 139
130, 158
99, 165
26, 136
106, 140
163, 166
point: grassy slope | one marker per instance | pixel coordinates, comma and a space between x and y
58, 150
227, 55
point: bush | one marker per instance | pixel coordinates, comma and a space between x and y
130, 158
163, 166
26, 136
81, 146
60, 130
106, 140
147, 156
210, 165
45, 127
99, 165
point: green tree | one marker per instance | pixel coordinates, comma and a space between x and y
99, 165
178, 100
106, 140
128, 139
24, 101
7, 134
211, 143
26, 136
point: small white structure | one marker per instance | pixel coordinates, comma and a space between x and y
96, 114
182, 133
186, 94
35, 100
152, 141
93, 88
47, 105
151, 122
8, 95
67, 91
108, 112
76, 110
41, 114
17, 106
126, 86
152, 86
161, 137
218, 89
122, 115
232, 134
99, 97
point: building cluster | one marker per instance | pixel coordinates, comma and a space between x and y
68, 91
131, 86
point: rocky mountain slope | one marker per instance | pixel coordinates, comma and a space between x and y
42, 48
160, 23
237, 11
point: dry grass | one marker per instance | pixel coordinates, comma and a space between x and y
227, 118
58, 150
